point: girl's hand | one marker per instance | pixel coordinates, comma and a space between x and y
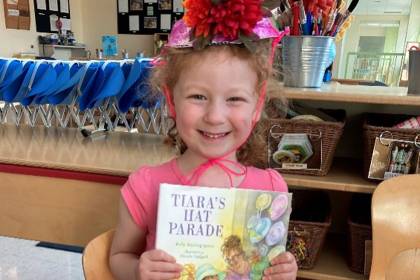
157, 265
283, 267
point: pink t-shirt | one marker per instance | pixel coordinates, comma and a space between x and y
141, 191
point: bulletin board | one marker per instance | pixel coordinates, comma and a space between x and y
16, 14
148, 16
48, 11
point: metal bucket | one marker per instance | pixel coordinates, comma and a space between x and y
414, 71
305, 58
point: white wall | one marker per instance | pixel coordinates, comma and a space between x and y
413, 31
90, 20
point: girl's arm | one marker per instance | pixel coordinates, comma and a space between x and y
128, 259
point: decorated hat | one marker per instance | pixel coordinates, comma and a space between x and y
260, 230
275, 234
275, 251
278, 206
208, 22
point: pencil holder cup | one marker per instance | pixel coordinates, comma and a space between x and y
305, 58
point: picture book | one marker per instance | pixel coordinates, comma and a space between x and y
222, 233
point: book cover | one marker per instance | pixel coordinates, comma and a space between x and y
222, 233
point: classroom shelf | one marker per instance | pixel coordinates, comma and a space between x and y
335, 92
345, 175
331, 264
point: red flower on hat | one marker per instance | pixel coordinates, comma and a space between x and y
229, 18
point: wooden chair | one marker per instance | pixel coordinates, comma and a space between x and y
395, 225
406, 263
96, 257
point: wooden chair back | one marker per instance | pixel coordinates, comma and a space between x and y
96, 257
395, 221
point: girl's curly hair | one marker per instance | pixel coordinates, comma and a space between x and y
175, 60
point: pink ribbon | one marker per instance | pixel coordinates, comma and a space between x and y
198, 172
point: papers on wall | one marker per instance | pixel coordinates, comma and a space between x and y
41, 4
149, 10
134, 22
109, 45
66, 24
148, 16
178, 8
48, 11
64, 6
12, 13
16, 14
136, 5
165, 21
53, 4
150, 22
123, 6
53, 21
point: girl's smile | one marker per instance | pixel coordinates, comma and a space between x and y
213, 136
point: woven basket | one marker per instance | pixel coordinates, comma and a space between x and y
330, 133
308, 226
360, 230
376, 125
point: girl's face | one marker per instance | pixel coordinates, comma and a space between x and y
215, 102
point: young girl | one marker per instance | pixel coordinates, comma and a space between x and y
214, 95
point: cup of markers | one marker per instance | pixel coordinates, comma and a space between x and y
310, 49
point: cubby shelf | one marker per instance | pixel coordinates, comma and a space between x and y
331, 264
335, 92
345, 175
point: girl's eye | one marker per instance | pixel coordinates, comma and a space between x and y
197, 97
236, 99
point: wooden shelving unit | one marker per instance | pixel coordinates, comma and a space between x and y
335, 92
345, 175
331, 264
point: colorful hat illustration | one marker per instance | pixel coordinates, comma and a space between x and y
188, 272
263, 201
263, 250
252, 222
260, 230
279, 206
275, 234
204, 271
275, 251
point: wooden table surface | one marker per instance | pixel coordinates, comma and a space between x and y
116, 153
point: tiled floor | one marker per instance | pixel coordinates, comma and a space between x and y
23, 260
